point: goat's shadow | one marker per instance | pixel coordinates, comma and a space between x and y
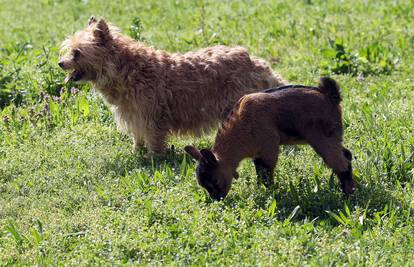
315, 201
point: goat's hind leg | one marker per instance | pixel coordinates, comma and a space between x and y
346, 177
339, 159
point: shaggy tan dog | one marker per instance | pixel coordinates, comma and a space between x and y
153, 93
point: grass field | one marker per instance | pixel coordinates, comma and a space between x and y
72, 192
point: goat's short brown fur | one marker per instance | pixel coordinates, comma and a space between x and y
154, 93
261, 122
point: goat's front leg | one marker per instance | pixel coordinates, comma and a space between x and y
266, 159
263, 171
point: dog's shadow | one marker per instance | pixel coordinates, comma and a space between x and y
122, 163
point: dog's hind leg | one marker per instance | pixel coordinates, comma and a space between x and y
157, 141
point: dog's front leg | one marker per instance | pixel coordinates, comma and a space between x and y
138, 138
138, 143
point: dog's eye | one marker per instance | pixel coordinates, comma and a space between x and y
76, 53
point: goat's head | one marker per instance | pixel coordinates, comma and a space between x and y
211, 174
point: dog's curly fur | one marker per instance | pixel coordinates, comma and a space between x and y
154, 93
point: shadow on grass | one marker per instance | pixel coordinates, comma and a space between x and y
124, 163
315, 201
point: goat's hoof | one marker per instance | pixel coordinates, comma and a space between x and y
348, 187
267, 184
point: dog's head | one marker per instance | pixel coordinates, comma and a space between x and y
211, 175
88, 52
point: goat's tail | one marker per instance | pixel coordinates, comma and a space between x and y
330, 88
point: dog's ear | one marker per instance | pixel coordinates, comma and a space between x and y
101, 32
193, 152
92, 20
209, 157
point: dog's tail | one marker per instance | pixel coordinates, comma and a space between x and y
264, 74
330, 88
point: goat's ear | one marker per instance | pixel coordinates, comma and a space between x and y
209, 157
92, 20
236, 175
347, 154
101, 32
193, 152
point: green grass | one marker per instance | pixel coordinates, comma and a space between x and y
72, 192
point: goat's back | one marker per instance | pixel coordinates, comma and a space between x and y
295, 113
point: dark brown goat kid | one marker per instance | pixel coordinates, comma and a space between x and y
261, 122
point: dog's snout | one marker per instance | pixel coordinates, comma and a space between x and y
61, 64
